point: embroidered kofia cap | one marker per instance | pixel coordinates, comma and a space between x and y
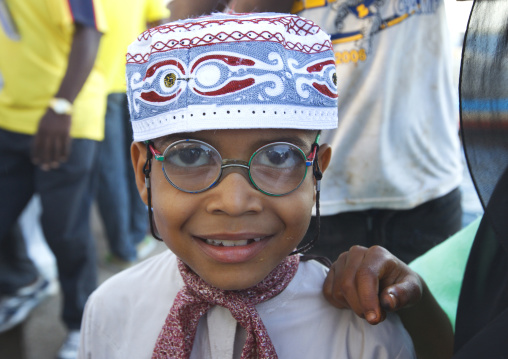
231, 71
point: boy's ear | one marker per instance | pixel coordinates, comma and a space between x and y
138, 156
324, 156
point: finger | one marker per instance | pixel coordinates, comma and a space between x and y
56, 152
41, 151
368, 278
389, 299
66, 149
331, 286
349, 279
328, 287
405, 292
54, 145
61, 149
47, 150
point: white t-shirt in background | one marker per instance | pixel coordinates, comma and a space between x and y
397, 144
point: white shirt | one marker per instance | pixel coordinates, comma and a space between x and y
397, 144
125, 315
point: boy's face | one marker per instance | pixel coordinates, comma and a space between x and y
232, 211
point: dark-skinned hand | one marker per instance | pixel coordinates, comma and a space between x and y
371, 281
51, 144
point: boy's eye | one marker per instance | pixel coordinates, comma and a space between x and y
189, 157
279, 156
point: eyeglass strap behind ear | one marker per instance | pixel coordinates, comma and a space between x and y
318, 175
147, 168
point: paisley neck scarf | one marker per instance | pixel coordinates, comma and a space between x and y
197, 297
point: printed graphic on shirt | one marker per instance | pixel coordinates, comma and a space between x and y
354, 24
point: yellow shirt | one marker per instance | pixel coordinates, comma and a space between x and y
32, 68
126, 20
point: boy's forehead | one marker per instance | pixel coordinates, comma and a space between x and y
232, 71
252, 138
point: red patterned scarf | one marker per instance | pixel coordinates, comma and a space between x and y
197, 297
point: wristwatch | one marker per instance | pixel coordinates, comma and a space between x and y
61, 106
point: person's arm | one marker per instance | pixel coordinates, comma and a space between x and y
183, 9
51, 144
157, 13
429, 327
371, 281
242, 6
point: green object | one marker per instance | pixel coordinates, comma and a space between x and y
443, 268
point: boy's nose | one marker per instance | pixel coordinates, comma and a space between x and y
239, 168
234, 195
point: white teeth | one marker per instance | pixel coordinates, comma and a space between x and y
234, 243
230, 243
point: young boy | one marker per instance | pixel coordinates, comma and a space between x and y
226, 112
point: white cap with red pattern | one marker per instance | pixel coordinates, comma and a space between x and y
231, 71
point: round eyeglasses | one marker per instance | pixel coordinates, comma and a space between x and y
194, 166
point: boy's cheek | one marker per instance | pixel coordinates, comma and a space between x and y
297, 210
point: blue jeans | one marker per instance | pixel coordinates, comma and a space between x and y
123, 212
405, 233
65, 199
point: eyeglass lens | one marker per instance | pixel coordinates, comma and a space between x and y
194, 166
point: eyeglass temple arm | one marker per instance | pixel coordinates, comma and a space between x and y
158, 156
318, 175
147, 168
313, 151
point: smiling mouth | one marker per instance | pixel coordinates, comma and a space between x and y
231, 243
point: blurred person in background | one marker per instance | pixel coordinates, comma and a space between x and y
395, 173
120, 207
52, 107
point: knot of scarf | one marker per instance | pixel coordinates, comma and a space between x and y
197, 297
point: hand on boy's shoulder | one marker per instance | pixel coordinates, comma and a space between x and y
371, 281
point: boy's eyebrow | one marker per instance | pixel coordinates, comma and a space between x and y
167, 140
296, 140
